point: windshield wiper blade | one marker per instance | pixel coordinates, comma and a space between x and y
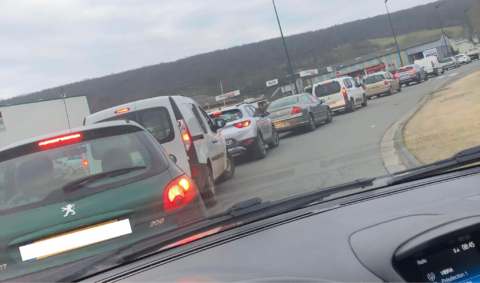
80, 183
462, 158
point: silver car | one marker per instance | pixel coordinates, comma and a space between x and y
450, 63
298, 111
246, 131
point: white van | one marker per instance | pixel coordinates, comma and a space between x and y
430, 65
342, 93
185, 131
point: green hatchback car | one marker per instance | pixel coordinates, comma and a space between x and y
127, 190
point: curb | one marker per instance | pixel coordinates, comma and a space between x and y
396, 157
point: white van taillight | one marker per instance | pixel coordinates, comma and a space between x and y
432, 63
344, 92
186, 137
179, 193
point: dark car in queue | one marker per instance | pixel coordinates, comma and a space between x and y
297, 112
129, 191
411, 73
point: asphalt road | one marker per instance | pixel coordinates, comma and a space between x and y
336, 153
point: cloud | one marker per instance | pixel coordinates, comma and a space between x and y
48, 43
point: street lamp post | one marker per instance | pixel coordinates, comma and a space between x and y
284, 45
396, 44
441, 26
466, 22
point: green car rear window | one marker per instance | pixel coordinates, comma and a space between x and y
32, 176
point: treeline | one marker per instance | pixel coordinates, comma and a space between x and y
251, 64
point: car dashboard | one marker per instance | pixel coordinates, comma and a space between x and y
422, 231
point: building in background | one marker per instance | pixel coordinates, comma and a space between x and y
461, 45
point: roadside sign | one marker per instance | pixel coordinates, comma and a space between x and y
227, 95
2, 124
338, 75
272, 82
330, 69
308, 73
430, 53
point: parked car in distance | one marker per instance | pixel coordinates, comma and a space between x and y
342, 93
186, 132
463, 59
74, 164
59, 168
430, 65
132, 202
450, 63
411, 73
247, 131
381, 83
298, 111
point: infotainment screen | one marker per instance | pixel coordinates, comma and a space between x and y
456, 260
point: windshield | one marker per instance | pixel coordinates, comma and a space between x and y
327, 89
228, 115
188, 109
374, 79
287, 101
405, 69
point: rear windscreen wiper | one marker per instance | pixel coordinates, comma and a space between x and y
80, 183
464, 157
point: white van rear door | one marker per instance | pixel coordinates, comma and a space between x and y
158, 118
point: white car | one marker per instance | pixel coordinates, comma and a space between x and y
247, 130
463, 59
342, 93
74, 164
186, 132
430, 65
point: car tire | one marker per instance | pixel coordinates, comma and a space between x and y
71, 171
407, 84
390, 92
329, 116
365, 103
426, 77
352, 106
419, 80
209, 194
369, 97
230, 170
399, 88
311, 123
261, 151
275, 139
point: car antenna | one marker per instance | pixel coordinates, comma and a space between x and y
65, 104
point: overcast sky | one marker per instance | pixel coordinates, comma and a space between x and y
48, 43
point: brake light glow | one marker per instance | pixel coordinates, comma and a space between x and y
396, 75
243, 124
195, 170
297, 110
411, 71
344, 92
84, 162
187, 140
385, 82
432, 63
217, 113
178, 193
122, 110
61, 141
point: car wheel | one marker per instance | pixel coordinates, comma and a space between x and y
352, 106
230, 170
311, 123
261, 151
209, 194
407, 84
275, 140
390, 92
369, 97
70, 171
329, 116
426, 77
399, 88
419, 79
364, 104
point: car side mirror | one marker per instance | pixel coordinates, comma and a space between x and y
322, 101
266, 113
173, 158
262, 115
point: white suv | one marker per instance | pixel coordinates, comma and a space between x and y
342, 93
185, 131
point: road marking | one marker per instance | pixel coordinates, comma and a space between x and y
441, 77
453, 75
